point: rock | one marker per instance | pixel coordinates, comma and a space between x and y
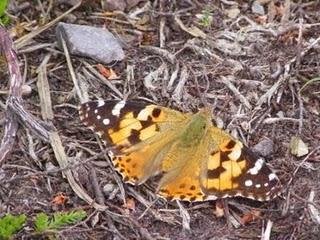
257, 8
114, 5
264, 148
132, 3
96, 43
109, 188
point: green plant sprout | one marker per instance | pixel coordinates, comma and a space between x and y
10, 225
44, 223
205, 18
4, 19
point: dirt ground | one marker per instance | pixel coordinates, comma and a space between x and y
258, 72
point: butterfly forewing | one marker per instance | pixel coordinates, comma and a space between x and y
137, 134
198, 160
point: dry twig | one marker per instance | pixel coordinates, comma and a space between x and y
15, 111
16, 82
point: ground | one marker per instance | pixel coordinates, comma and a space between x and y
257, 72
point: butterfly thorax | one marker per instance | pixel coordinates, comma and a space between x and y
195, 130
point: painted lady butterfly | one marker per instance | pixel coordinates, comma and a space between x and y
198, 160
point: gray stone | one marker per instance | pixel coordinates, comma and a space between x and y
114, 5
108, 188
133, 3
264, 148
96, 43
257, 8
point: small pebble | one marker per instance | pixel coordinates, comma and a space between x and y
264, 148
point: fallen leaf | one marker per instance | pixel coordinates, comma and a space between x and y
219, 211
262, 20
107, 72
290, 38
130, 204
148, 38
250, 216
59, 199
298, 147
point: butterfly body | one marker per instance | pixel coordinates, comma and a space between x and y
195, 130
198, 160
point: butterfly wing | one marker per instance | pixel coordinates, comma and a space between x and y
145, 139
182, 167
234, 170
138, 134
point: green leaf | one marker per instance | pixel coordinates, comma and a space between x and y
9, 225
205, 18
3, 6
59, 220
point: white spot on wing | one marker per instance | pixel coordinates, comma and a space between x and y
266, 184
272, 176
117, 108
98, 117
106, 121
96, 111
257, 166
101, 103
258, 185
211, 197
248, 183
236, 151
144, 114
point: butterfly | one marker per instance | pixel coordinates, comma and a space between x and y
198, 161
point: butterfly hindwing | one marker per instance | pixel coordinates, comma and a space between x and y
234, 170
182, 167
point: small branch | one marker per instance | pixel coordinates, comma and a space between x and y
14, 110
36, 126
237, 94
16, 82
